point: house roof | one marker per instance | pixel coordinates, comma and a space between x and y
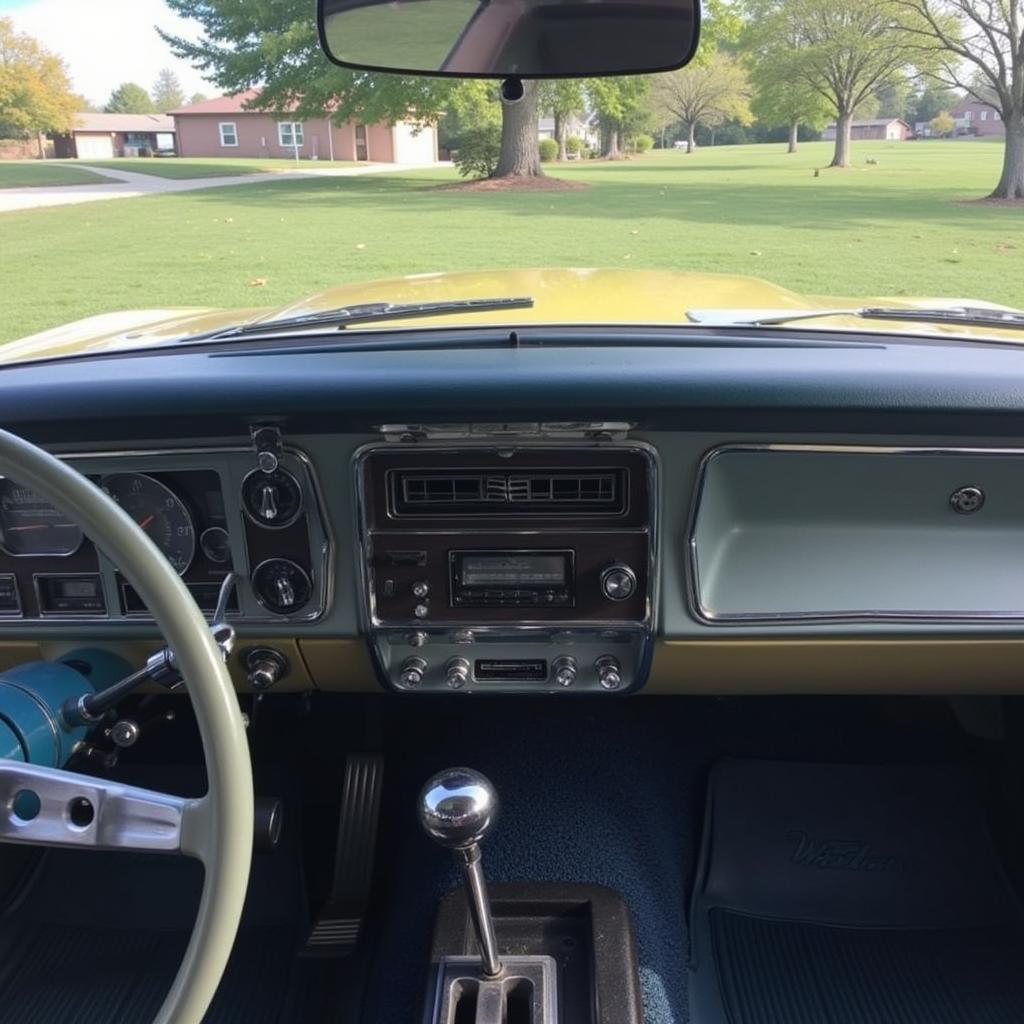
221, 105
878, 122
124, 123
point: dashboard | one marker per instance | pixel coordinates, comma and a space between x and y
843, 519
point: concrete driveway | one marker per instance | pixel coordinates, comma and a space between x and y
129, 184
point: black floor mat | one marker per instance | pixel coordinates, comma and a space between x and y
97, 938
836, 894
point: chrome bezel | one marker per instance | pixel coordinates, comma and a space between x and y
43, 554
285, 523
206, 554
7, 613
279, 616
708, 617
75, 616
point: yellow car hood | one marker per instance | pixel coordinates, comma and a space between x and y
565, 296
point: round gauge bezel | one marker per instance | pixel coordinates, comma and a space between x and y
170, 493
259, 597
202, 545
40, 554
284, 523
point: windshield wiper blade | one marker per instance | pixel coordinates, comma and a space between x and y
368, 312
967, 316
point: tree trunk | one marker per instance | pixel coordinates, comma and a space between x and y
794, 129
691, 142
1011, 181
520, 153
611, 143
560, 133
841, 156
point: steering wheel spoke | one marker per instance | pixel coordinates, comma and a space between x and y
49, 807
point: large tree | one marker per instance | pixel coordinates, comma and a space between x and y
167, 91
978, 46
273, 46
562, 98
845, 52
706, 94
129, 98
622, 109
35, 92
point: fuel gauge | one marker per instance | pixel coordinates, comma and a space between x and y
30, 526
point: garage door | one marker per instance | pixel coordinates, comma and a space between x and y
94, 147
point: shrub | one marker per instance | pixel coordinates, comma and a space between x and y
574, 145
548, 150
642, 143
479, 149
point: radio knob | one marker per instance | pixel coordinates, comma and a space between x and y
421, 611
457, 673
618, 582
420, 589
609, 672
565, 670
411, 673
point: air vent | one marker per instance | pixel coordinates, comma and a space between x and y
543, 492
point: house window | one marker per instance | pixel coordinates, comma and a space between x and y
968, 115
995, 115
289, 133
984, 115
228, 133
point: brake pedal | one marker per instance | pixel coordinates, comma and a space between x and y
339, 922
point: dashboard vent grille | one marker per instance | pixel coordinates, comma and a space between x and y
483, 493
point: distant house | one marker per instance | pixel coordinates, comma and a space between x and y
104, 136
974, 118
224, 127
889, 129
584, 128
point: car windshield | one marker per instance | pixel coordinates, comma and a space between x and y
178, 169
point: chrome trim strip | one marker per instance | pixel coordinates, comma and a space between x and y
709, 617
16, 613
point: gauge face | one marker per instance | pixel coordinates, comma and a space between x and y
31, 526
160, 513
215, 543
272, 499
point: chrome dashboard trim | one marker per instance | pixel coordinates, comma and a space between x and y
324, 586
72, 616
708, 617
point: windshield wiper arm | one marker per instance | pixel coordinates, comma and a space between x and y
968, 316
368, 312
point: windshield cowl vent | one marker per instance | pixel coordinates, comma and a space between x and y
549, 492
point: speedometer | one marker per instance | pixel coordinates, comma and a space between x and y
31, 526
159, 511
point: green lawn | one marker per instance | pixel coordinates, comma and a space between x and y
906, 226
210, 167
39, 174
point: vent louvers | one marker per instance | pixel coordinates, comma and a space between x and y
547, 492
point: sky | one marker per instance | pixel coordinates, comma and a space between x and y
107, 42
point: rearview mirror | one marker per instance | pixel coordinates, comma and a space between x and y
510, 38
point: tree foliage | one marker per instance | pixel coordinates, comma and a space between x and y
978, 46
167, 92
129, 98
706, 94
942, 124
622, 108
35, 91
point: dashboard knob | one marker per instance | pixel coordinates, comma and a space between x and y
457, 673
411, 674
285, 591
267, 508
420, 589
565, 671
266, 667
609, 672
618, 582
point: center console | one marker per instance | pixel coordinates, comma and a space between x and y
527, 568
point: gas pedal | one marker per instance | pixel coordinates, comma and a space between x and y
339, 922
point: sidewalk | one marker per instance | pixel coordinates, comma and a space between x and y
130, 184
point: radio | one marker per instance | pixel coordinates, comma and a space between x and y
508, 570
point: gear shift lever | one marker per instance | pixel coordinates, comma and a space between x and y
457, 809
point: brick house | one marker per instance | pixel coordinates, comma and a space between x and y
103, 136
889, 129
974, 118
224, 127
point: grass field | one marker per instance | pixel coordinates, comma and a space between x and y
209, 167
37, 174
908, 226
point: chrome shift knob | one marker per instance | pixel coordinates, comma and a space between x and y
458, 807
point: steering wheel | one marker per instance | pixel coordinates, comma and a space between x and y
216, 828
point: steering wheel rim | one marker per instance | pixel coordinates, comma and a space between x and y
220, 825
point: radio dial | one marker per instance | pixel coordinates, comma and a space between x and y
411, 673
565, 670
457, 673
618, 583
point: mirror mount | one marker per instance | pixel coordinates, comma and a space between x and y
512, 91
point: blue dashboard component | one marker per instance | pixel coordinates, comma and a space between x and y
32, 727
